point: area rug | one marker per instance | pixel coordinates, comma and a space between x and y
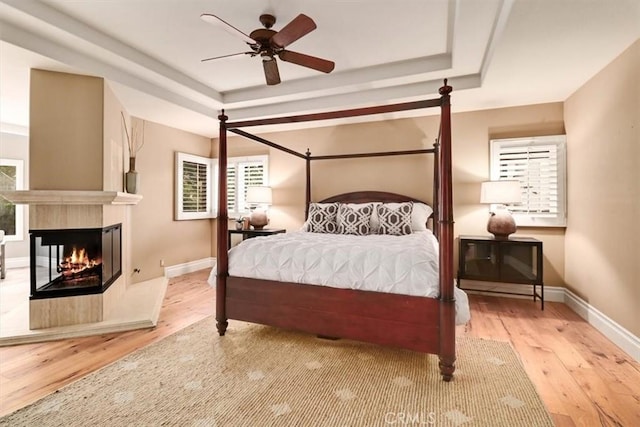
263, 376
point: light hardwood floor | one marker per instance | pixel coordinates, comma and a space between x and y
583, 378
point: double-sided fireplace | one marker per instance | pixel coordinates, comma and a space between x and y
70, 262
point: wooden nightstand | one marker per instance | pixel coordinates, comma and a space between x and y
516, 260
247, 234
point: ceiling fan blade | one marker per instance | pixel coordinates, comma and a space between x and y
307, 61
218, 22
226, 56
271, 71
295, 29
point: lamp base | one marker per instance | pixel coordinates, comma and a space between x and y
501, 224
258, 219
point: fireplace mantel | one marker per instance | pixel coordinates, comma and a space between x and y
70, 197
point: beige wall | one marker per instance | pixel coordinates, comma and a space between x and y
65, 120
471, 134
410, 175
156, 235
603, 126
114, 139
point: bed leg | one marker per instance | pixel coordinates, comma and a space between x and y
447, 366
221, 325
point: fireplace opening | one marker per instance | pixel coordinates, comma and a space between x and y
69, 262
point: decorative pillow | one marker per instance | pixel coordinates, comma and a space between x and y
354, 221
419, 215
396, 222
373, 222
322, 218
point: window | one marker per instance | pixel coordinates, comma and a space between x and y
196, 184
195, 192
539, 163
243, 172
11, 216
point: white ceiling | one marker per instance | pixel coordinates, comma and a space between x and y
496, 53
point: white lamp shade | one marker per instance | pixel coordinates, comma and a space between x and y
259, 195
500, 192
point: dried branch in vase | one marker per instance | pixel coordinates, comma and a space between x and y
136, 142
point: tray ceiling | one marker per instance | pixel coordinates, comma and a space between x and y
496, 53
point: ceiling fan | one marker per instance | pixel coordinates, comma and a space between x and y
269, 43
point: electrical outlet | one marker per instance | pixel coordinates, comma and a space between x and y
161, 263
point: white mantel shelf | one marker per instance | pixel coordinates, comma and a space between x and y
70, 197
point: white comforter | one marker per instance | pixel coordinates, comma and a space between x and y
394, 264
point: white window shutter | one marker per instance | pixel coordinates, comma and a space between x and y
243, 172
194, 187
539, 164
232, 186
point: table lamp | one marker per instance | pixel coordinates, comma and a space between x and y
259, 199
500, 193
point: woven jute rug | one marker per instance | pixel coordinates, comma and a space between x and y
262, 376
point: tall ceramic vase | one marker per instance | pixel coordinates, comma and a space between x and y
131, 177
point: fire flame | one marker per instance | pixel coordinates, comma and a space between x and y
79, 257
78, 261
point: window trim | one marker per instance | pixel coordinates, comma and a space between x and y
212, 184
559, 141
264, 158
211, 193
19, 220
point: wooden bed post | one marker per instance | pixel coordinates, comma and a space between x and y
436, 187
308, 185
223, 225
447, 352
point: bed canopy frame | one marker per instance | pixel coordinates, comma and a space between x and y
415, 323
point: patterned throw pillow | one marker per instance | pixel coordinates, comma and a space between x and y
322, 218
354, 221
396, 222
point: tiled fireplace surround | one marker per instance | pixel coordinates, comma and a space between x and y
52, 209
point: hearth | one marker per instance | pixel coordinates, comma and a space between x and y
69, 262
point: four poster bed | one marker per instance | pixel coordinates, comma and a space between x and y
419, 323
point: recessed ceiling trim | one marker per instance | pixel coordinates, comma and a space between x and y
46, 47
350, 81
496, 32
452, 18
72, 26
402, 93
14, 129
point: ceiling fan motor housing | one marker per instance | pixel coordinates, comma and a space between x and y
267, 20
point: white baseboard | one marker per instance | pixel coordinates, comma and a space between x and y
19, 262
609, 328
189, 267
554, 294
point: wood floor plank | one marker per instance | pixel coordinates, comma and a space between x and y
583, 378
